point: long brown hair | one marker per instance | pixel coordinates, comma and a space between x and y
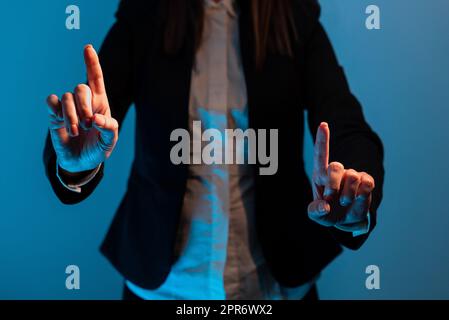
272, 22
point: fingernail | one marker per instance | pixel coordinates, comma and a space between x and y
94, 120
322, 207
361, 197
345, 201
88, 123
74, 130
328, 193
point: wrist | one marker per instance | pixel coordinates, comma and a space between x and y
73, 177
75, 180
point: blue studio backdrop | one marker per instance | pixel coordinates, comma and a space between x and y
400, 73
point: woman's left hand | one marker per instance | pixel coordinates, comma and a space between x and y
341, 197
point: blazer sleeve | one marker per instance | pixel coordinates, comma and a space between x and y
329, 99
116, 58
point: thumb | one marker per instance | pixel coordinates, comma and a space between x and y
108, 128
318, 211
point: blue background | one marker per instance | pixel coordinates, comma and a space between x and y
400, 73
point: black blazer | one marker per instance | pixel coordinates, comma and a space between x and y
140, 241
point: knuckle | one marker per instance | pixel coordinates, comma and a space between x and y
335, 167
80, 89
352, 176
368, 181
370, 184
114, 124
51, 99
66, 97
351, 172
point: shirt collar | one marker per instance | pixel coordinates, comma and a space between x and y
228, 4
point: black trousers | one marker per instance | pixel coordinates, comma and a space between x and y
312, 295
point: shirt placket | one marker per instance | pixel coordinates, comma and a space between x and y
218, 102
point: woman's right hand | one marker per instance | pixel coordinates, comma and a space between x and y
82, 129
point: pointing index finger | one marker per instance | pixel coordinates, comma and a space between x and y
321, 152
94, 72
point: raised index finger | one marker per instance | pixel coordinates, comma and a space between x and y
94, 72
321, 152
